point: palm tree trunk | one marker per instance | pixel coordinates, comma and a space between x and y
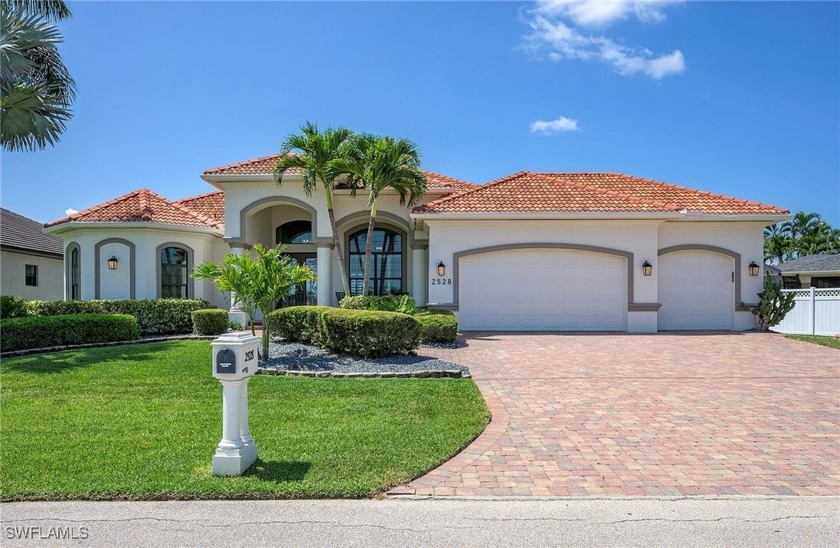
369, 248
342, 268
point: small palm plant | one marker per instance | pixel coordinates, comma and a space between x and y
259, 283
380, 163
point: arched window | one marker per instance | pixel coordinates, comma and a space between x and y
174, 273
386, 276
294, 232
75, 275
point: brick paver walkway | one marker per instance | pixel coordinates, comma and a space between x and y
667, 414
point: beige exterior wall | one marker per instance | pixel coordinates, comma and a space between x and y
13, 280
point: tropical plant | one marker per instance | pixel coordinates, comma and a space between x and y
36, 89
380, 163
259, 283
773, 305
317, 152
805, 234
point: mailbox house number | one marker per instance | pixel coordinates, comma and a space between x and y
249, 355
441, 281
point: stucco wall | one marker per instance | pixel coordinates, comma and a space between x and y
13, 278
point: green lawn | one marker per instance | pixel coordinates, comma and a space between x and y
142, 422
833, 342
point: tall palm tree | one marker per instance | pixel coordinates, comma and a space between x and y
377, 164
317, 151
777, 243
36, 89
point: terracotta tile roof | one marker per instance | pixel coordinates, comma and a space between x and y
211, 205
265, 165
142, 206
588, 192
24, 233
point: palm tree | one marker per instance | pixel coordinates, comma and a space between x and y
36, 89
258, 283
318, 151
379, 163
777, 243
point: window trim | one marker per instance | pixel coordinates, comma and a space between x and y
190, 266
72, 247
404, 250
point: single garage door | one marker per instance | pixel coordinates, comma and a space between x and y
697, 290
542, 290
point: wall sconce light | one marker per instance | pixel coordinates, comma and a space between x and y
647, 268
753, 269
113, 262
441, 269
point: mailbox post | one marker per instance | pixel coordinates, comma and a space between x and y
234, 363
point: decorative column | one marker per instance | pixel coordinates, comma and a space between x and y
419, 272
324, 257
236, 313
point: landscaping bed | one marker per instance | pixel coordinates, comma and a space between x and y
142, 421
289, 356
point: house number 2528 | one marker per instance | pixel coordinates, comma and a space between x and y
441, 281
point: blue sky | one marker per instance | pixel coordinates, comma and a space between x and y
740, 98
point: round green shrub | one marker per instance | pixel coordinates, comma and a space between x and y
69, 329
12, 307
369, 333
210, 321
298, 324
437, 326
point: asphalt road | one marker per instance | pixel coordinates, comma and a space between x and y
694, 521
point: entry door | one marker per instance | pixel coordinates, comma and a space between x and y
307, 292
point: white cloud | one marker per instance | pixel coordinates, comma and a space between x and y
70, 211
555, 34
559, 125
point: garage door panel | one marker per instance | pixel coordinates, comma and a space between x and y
696, 290
543, 290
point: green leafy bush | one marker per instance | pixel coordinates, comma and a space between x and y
12, 307
773, 305
211, 321
155, 316
298, 324
235, 325
387, 303
66, 329
369, 333
437, 326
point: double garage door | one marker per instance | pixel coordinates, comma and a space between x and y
543, 290
572, 290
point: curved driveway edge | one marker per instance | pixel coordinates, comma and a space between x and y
666, 414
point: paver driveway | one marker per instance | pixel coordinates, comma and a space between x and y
667, 414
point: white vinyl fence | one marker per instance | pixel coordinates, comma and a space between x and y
817, 312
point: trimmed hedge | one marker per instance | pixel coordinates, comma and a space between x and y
370, 333
155, 316
366, 333
66, 329
12, 307
298, 324
437, 326
210, 321
387, 303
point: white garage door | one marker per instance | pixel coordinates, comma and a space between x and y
696, 290
542, 290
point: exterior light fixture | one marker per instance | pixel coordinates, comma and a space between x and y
647, 268
113, 262
753, 269
441, 269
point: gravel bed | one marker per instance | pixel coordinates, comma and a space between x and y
296, 357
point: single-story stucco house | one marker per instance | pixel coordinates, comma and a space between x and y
820, 271
530, 251
30, 261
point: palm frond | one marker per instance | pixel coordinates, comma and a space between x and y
53, 9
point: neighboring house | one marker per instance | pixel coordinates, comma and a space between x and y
820, 271
30, 261
531, 251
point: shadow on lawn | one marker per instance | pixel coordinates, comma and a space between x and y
279, 471
68, 360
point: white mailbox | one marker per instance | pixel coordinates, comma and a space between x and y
234, 363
